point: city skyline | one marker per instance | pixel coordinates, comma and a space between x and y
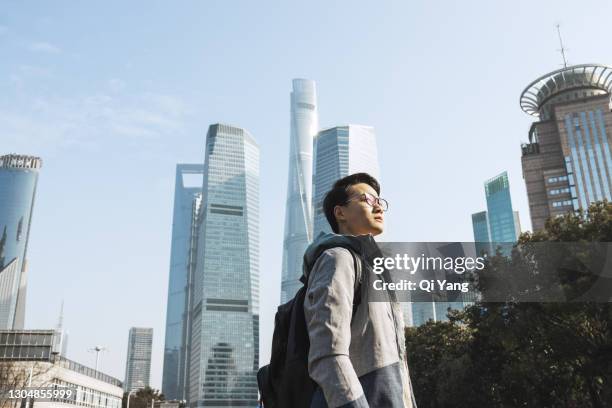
111, 115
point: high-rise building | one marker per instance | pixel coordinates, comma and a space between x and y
500, 223
224, 355
338, 152
504, 225
18, 179
482, 235
298, 212
138, 361
567, 164
187, 199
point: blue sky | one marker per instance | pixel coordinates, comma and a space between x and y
113, 94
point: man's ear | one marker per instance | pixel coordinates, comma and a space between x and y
339, 213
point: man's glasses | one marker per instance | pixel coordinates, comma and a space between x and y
371, 200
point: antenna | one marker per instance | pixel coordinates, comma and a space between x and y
562, 47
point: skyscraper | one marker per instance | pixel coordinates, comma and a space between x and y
224, 355
504, 224
138, 361
567, 163
338, 152
187, 199
500, 223
482, 235
18, 179
298, 212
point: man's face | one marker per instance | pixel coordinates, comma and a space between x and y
357, 217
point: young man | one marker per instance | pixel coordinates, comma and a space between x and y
357, 350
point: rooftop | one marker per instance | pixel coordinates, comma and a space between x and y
559, 85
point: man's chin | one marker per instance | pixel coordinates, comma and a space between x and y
377, 230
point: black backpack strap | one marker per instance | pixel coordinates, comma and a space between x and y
358, 266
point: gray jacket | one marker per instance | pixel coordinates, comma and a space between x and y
357, 360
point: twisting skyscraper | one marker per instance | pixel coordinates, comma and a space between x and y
18, 179
224, 352
298, 212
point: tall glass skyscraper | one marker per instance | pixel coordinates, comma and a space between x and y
503, 221
567, 164
298, 212
138, 361
338, 152
18, 179
500, 223
225, 314
187, 199
482, 235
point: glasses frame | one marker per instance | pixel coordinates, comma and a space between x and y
371, 200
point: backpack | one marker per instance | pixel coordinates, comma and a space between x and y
285, 382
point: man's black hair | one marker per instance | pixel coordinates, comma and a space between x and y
338, 195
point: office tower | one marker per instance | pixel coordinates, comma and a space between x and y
298, 212
187, 199
503, 221
567, 164
500, 223
480, 225
338, 152
225, 315
18, 179
138, 362
482, 235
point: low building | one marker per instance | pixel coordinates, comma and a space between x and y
30, 359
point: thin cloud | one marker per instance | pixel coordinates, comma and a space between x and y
44, 47
88, 122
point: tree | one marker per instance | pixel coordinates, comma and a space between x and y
142, 398
519, 354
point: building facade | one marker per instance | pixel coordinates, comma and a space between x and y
187, 199
18, 180
224, 353
304, 118
500, 223
567, 164
138, 361
504, 224
338, 152
31, 358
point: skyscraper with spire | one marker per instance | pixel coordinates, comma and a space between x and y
304, 117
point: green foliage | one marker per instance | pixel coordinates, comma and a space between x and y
142, 398
521, 354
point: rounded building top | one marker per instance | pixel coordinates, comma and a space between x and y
20, 161
563, 84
